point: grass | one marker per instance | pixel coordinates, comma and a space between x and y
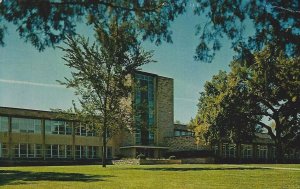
154, 176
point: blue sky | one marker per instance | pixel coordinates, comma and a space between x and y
28, 77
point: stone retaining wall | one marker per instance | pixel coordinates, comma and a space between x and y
159, 161
145, 161
198, 160
126, 162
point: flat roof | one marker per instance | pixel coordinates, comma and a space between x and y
142, 146
31, 113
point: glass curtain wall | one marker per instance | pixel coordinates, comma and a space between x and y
144, 106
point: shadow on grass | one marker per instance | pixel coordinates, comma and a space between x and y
198, 169
11, 177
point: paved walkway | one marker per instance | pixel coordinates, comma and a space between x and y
264, 167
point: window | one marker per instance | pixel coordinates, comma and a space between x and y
23, 150
215, 149
58, 151
272, 152
89, 152
38, 150
91, 133
137, 136
48, 151
77, 152
109, 152
229, 150
30, 150
262, 151
3, 150
24, 125
83, 130
83, 151
54, 150
297, 154
61, 151
177, 133
16, 150
247, 151
69, 151
68, 128
58, 127
3, 124
27, 150
144, 96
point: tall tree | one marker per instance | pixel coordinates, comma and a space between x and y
234, 104
46, 23
273, 21
101, 77
200, 130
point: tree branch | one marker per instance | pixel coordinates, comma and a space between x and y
105, 3
270, 132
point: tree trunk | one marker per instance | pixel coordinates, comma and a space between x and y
279, 152
278, 142
104, 136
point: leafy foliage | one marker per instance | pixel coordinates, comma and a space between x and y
46, 23
200, 129
235, 104
274, 21
101, 77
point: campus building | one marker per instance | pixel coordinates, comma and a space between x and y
44, 135
260, 149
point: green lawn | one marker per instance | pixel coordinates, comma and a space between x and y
154, 176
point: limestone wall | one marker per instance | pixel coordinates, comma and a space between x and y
164, 109
183, 143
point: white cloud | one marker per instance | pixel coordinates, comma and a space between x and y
30, 83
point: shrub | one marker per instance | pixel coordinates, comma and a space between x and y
141, 156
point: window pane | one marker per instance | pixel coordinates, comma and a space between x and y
38, 150
54, 127
47, 127
54, 151
16, 151
83, 131
38, 125
30, 150
15, 125
3, 124
62, 151
30, 125
22, 125
109, 152
23, 150
69, 151
77, 128
97, 152
48, 151
4, 150
83, 151
77, 152
62, 128
68, 128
